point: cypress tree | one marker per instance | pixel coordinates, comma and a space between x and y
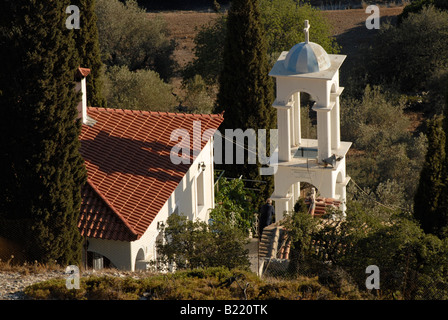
429, 195
443, 208
43, 171
88, 48
245, 88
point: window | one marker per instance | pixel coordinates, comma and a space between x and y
200, 190
97, 261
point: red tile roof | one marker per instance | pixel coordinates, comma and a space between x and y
130, 173
322, 204
98, 220
82, 72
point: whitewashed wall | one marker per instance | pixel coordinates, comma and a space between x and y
123, 254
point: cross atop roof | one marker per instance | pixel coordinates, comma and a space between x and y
306, 31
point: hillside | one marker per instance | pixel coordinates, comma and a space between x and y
348, 29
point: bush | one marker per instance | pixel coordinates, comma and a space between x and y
301, 227
190, 245
234, 205
418, 5
197, 284
375, 121
379, 128
129, 38
284, 20
437, 94
197, 99
138, 90
412, 263
209, 46
414, 50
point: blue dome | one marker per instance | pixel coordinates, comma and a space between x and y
307, 57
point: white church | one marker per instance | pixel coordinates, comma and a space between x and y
133, 186
321, 162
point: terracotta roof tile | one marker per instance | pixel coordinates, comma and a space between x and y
127, 155
98, 220
82, 72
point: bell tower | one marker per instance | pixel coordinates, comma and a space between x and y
321, 162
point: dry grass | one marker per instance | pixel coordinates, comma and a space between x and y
183, 26
25, 268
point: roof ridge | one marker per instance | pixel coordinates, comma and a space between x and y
147, 112
126, 223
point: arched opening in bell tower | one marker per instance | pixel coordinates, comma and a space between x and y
308, 117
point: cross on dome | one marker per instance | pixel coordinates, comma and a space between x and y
306, 30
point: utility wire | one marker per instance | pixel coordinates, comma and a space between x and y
309, 174
379, 203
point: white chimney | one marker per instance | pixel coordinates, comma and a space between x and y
81, 75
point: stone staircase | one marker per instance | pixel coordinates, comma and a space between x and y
274, 243
273, 251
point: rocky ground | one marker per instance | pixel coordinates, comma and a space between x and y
13, 283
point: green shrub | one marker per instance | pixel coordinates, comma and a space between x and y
138, 90
128, 37
195, 244
234, 205
197, 284
55, 289
406, 56
390, 153
284, 21
418, 5
197, 99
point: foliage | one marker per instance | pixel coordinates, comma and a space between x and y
88, 48
234, 205
436, 98
195, 244
138, 90
208, 50
282, 22
301, 226
245, 89
412, 264
129, 38
42, 170
198, 284
415, 49
418, 5
388, 153
197, 99
307, 128
427, 200
444, 201
375, 121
